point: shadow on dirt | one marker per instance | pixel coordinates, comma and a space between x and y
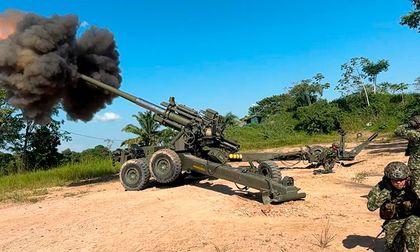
105, 178
395, 147
364, 241
230, 191
183, 179
198, 182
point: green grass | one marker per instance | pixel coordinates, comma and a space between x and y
360, 177
26, 186
324, 238
277, 133
259, 137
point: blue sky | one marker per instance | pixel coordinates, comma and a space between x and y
226, 55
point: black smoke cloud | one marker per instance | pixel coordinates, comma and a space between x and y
40, 63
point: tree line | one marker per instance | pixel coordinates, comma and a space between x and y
363, 101
26, 146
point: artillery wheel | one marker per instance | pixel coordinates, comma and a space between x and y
269, 169
165, 165
316, 153
134, 174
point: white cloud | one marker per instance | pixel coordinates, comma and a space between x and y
108, 116
83, 24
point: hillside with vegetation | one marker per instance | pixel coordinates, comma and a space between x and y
299, 116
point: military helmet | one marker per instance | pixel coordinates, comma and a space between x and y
397, 171
414, 122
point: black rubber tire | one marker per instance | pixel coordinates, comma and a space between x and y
165, 165
317, 152
134, 174
269, 169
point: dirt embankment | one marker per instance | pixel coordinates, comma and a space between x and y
204, 215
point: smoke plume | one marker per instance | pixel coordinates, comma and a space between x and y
41, 59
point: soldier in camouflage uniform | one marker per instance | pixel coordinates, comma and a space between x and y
399, 207
411, 132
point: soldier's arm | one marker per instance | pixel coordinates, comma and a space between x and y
405, 132
377, 196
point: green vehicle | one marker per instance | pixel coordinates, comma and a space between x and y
200, 146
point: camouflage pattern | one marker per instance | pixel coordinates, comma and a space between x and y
413, 150
403, 226
400, 231
414, 122
378, 195
397, 170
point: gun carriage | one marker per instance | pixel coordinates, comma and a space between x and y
200, 146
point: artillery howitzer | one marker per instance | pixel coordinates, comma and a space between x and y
317, 155
200, 146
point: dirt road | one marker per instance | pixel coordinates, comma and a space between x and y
203, 215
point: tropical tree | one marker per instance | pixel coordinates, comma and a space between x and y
40, 149
306, 91
353, 77
6, 163
320, 117
272, 105
393, 88
230, 119
98, 152
34, 145
166, 136
147, 132
412, 19
70, 157
372, 69
10, 124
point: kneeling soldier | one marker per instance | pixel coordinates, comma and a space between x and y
399, 207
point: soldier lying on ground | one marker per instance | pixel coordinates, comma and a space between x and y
399, 207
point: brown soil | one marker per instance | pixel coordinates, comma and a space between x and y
204, 215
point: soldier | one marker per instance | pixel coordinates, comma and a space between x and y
399, 208
411, 132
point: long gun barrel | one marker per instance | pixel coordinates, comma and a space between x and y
142, 103
176, 121
196, 131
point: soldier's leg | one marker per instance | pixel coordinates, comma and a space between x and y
393, 236
411, 230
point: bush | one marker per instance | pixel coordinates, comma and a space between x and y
70, 157
6, 160
413, 106
98, 152
320, 117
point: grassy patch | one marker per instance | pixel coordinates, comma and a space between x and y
72, 194
324, 238
360, 177
21, 187
258, 137
31, 196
